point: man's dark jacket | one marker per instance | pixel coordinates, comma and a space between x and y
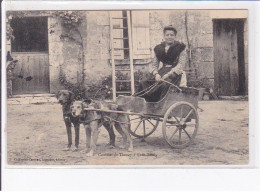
172, 55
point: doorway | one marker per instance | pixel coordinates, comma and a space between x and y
30, 48
229, 67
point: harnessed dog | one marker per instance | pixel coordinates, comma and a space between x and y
93, 120
65, 98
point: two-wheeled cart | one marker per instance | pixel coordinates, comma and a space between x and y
177, 111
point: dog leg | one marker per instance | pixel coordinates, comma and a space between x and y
94, 136
88, 135
124, 128
76, 126
122, 133
129, 139
68, 128
111, 133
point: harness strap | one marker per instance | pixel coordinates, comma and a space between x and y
67, 116
116, 120
147, 90
172, 84
89, 121
82, 120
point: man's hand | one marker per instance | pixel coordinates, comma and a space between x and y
165, 76
178, 71
158, 77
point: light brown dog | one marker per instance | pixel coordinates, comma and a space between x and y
93, 120
66, 98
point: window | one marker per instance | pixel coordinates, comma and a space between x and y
30, 34
140, 34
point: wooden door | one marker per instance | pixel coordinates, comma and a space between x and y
30, 48
229, 71
32, 73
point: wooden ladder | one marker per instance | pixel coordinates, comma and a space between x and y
128, 63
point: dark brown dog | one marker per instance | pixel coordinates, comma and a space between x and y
65, 98
93, 120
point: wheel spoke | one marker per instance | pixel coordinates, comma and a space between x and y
187, 134
144, 126
138, 126
191, 111
172, 125
181, 110
176, 119
151, 122
135, 122
179, 136
173, 134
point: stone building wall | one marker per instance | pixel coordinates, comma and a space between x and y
95, 32
199, 34
96, 35
56, 55
98, 45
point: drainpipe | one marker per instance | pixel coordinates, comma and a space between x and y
187, 37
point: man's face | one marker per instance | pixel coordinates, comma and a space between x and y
169, 36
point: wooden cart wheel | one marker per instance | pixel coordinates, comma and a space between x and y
142, 127
180, 124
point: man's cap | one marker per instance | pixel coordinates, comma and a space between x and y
170, 27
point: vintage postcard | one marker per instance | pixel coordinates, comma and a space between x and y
127, 87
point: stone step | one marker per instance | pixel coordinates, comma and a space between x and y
32, 99
238, 98
33, 95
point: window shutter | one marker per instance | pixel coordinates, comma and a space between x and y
140, 35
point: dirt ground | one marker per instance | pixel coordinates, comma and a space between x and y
36, 135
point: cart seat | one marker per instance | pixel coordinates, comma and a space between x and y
141, 105
156, 93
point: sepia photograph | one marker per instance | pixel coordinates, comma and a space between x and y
127, 87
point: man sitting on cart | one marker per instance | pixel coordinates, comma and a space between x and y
168, 53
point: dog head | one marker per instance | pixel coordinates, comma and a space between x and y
77, 108
65, 96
